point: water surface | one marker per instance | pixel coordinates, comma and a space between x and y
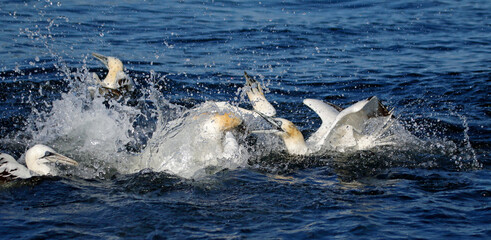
429, 60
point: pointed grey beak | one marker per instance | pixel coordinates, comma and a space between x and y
266, 131
58, 158
275, 123
101, 58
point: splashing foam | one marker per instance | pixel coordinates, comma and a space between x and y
97, 132
183, 147
87, 129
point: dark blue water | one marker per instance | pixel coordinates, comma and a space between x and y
429, 60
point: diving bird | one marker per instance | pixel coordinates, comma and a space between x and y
219, 123
289, 133
39, 160
116, 79
340, 128
204, 137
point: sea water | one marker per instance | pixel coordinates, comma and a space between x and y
427, 60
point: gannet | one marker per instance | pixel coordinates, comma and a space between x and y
338, 129
217, 124
202, 138
341, 128
345, 128
116, 79
38, 160
213, 142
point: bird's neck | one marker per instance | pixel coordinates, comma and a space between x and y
111, 77
40, 169
295, 143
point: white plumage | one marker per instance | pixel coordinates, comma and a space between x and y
116, 79
39, 160
339, 129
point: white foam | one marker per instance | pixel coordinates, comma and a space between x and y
181, 147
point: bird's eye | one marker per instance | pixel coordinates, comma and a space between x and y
47, 154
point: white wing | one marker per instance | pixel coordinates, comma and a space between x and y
358, 113
353, 118
326, 112
11, 169
257, 98
124, 80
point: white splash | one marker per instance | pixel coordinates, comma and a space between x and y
182, 148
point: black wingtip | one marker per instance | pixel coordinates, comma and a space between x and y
382, 110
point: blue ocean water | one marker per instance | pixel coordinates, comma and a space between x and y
428, 60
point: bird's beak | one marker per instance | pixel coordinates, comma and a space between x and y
101, 58
249, 80
266, 131
58, 158
253, 83
275, 124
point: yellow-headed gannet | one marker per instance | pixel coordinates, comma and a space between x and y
38, 160
339, 129
203, 138
289, 133
116, 79
217, 124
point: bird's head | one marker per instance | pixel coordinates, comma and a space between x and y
283, 128
116, 77
40, 159
226, 121
292, 137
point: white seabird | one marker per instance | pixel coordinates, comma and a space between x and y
340, 128
116, 79
38, 160
204, 138
345, 129
218, 128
